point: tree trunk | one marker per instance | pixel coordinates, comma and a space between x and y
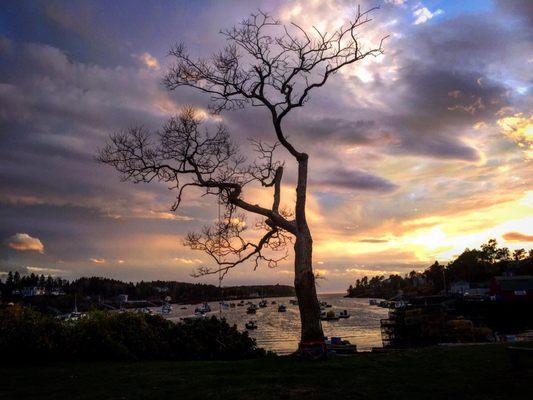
304, 279
304, 283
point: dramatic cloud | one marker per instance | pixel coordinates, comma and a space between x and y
413, 155
24, 242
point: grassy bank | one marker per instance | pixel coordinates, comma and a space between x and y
476, 372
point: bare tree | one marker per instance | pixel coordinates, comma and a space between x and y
264, 63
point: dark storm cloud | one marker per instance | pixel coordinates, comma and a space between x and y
519, 9
438, 108
351, 180
340, 131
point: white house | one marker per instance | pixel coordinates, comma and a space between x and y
460, 287
33, 291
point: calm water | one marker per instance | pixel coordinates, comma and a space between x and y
280, 332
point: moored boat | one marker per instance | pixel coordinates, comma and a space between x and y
344, 314
339, 346
330, 316
250, 325
204, 308
224, 305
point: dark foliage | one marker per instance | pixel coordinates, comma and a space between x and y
29, 335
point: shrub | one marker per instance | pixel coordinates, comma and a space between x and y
25, 333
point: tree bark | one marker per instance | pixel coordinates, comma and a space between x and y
304, 279
304, 284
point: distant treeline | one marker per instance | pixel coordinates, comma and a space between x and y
477, 266
104, 289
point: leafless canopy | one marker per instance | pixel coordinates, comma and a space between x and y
265, 64
269, 64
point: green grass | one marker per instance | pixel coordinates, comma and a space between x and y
475, 372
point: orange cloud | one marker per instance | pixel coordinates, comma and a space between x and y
24, 242
517, 237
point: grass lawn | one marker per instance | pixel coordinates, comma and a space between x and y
475, 372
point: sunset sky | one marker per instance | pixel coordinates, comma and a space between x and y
414, 155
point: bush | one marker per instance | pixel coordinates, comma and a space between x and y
27, 334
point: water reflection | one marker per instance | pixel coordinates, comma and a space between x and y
280, 332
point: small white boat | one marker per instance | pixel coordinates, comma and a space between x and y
166, 309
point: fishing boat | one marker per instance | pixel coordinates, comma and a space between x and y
282, 308
146, 310
224, 305
75, 314
166, 309
344, 314
204, 308
339, 346
263, 304
252, 309
250, 325
330, 316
